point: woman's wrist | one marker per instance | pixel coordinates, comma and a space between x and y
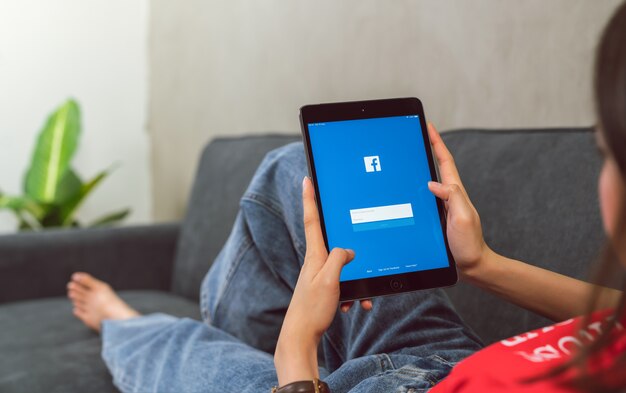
307, 386
480, 271
295, 359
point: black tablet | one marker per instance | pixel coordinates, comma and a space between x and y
370, 162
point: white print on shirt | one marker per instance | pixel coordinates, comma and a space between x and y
516, 340
564, 345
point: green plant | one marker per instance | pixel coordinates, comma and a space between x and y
53, 191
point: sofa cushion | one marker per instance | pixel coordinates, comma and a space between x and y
46, 349
225, 169
536, 192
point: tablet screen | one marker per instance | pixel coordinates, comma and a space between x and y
373, 178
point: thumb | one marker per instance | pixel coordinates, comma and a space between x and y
337, 259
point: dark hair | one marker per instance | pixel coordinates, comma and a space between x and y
610, 98
610, 86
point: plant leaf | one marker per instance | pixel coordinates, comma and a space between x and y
12, 203
20, 204
110, 218
25, 225
55, 148
69, 186
69, 207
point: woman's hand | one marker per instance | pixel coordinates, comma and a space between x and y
314, 302
465, 234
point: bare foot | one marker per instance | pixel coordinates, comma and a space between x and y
94, 301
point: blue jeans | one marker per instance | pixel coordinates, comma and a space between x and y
406, 343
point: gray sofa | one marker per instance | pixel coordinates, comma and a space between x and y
534, 189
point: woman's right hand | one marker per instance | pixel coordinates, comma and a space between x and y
465, 235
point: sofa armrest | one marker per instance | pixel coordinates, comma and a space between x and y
39, 264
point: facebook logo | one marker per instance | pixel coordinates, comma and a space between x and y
372, 164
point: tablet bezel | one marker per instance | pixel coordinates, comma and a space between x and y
356, 110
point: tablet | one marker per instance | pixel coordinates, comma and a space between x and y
370, 162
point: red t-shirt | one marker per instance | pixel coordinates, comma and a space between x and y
506, 365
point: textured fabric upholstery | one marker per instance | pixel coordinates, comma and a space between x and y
225, 169
45, 349
39, 264
536, 195
535, 191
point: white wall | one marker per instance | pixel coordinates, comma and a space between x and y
96, 52
242, 66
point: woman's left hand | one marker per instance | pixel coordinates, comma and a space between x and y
314, 302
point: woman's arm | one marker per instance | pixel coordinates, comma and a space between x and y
314, 302
295, 360
544, 292
550, 294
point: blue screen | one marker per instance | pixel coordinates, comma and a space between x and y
372, 176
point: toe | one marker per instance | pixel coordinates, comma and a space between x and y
84, 316
81, 314
86, 279
76, 287
76, 295
78, 305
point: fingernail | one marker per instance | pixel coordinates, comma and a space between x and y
351, 252
76, 276
434, 184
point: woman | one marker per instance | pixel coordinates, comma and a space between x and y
406, 343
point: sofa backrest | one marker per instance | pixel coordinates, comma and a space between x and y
534, 189
224, 171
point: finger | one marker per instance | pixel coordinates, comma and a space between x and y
366, 304
312, 228
441, 191
452, 194
337, 259
447, 167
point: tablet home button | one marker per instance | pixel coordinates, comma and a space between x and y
396, 285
